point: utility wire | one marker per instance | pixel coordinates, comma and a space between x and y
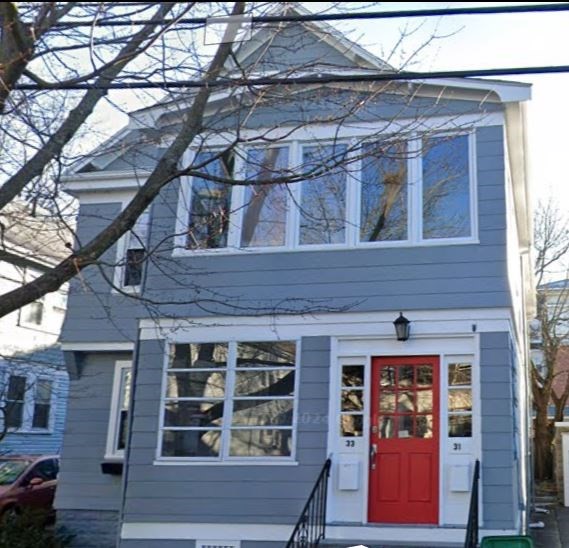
303, 80
296, 18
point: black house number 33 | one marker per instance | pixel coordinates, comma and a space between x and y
350, 443
456, 446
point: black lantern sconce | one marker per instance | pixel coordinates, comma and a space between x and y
402, 327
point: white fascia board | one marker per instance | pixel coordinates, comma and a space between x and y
97, 347
508, 92
516, 139
105, 181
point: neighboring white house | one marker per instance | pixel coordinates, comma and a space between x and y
33, 379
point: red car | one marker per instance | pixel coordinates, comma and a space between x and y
27, 482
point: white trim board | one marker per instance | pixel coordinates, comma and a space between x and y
98, 347
425, 323
274, 532
221, 531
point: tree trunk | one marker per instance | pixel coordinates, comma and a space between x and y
543, 439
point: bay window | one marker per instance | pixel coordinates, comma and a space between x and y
347, 194
228, 401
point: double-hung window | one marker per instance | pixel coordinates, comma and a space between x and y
349, 193
134, 253
229, 401
28, 402
118, 417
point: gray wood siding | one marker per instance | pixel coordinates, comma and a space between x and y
499, 469
216, 494
94, 312
434, 277
370, 279
82, 486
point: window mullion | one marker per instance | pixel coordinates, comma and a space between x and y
353, 184
415, 190
228, 403
293, 219
236, 208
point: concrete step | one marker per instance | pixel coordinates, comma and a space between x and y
331, 543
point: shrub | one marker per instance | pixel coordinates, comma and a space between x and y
29, 530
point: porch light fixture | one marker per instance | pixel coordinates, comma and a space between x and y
402, 327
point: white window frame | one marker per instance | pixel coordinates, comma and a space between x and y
117, 396
224, 458
32, 380
123, 247
353, 213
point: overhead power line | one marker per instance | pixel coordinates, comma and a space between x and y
296, 18
304, 80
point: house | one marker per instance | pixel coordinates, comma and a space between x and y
262, 341
33, 378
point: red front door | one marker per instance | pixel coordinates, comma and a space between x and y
404, 440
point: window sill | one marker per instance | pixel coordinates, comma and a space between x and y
112, 467
189, 462
183, 252
27, 432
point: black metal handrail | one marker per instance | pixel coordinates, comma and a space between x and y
310, 528
471, 540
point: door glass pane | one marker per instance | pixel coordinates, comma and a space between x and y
460, 400
406, 375
405, 402
405, 426
424, 426
387, 427
424, 401
460, 426
351, 425
424, 375
387, 402
387, 376
353, 375
459, 374
352, 400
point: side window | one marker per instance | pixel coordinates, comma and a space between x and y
135, 251
118, 418
460, 400
15, 401
42, 404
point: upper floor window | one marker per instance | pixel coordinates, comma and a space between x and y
118, 416
133, 253
388, 192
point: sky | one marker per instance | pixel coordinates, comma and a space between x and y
479, 41
492, 41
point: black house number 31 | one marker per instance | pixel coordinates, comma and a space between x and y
456, 446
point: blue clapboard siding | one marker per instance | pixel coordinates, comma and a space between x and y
82, 486
429, 278
216, 494
500, 460
49, 362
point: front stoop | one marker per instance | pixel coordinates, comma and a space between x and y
342, 536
